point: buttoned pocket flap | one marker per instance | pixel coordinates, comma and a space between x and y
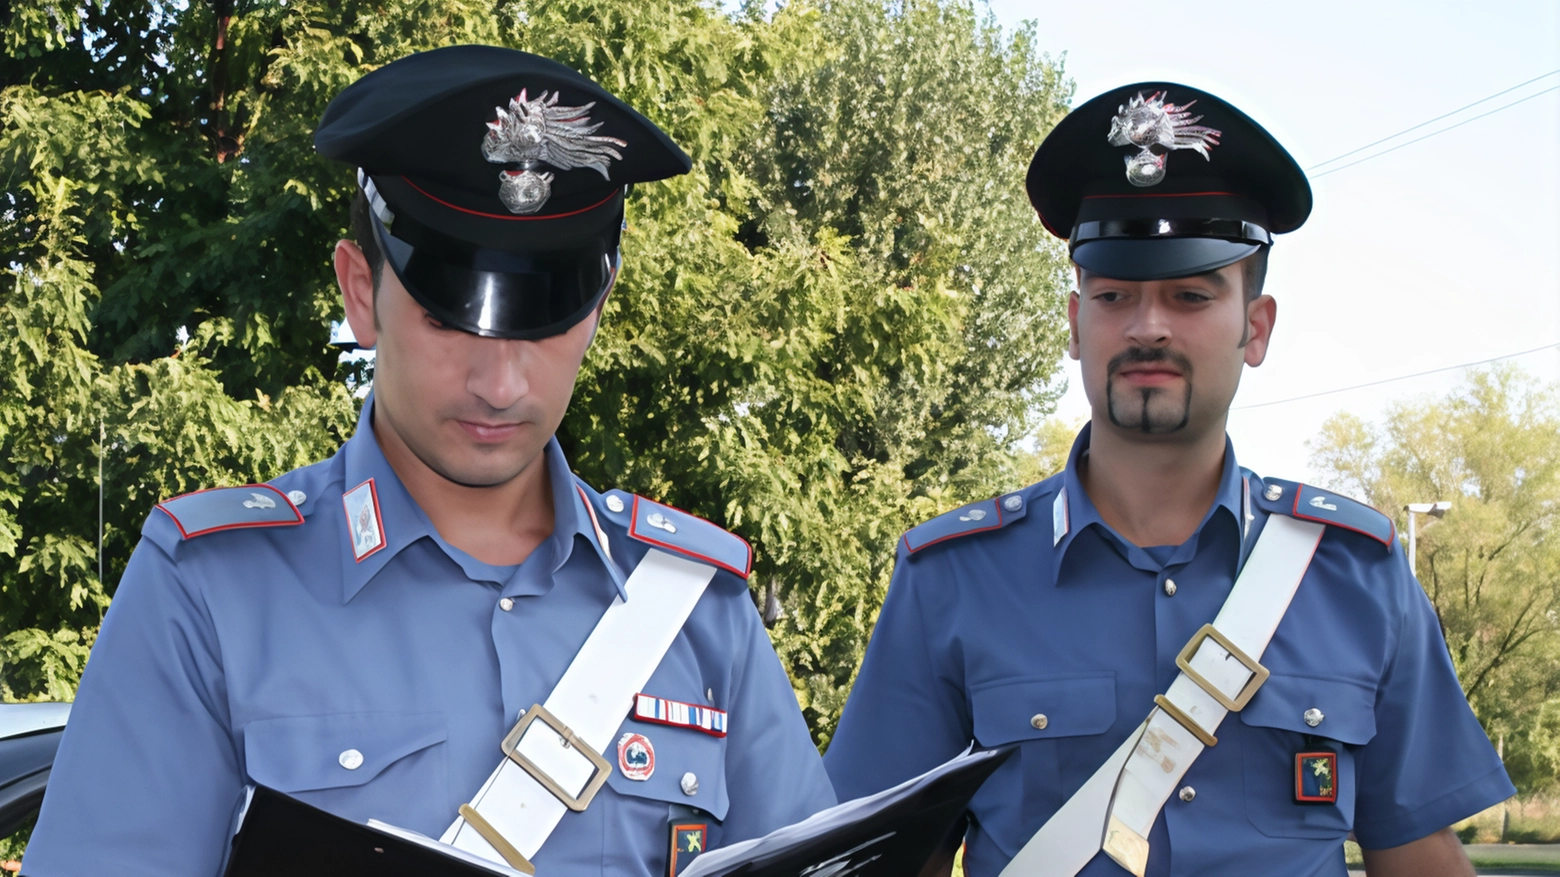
302, 753
1342, 710
1037, 708
684, 766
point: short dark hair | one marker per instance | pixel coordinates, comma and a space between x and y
363, 234
1253, 273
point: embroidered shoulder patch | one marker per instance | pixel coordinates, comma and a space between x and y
230, 508
977, 517
691, 536
1314, 504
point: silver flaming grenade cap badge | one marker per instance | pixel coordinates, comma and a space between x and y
535, 132
1150, 122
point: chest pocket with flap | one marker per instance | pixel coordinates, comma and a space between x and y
1275, 730
327, 760
1044, 715
678, 753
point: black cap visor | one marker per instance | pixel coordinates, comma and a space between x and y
1158, 258
496, 293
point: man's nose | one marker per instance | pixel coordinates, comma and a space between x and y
1149, 325
498, 373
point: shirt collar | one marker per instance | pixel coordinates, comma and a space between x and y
1075, 511
404, 522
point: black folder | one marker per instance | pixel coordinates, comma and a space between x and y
280, 835
890, 834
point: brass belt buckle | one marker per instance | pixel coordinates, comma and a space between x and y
1259, 673
511, 747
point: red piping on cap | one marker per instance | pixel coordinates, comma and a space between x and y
439, 200
1164, 195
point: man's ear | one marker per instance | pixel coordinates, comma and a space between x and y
1072, 312
356, 280
1072, 326
1261, 313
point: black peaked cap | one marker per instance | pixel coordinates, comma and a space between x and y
487, 236
1158, 180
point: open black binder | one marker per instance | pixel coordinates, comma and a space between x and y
890, 834
280, 835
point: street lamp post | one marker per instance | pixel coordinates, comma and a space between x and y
1434, 510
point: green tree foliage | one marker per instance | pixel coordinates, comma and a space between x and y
1492, 565
839, 324
868, 336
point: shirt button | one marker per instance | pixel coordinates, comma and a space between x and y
690, 784
350, 759
1039, 722
506, 604
614, 503
297, 497
1169, 587
1313, 717
1188, 794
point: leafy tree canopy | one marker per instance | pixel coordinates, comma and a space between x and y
841, 322
1492, 565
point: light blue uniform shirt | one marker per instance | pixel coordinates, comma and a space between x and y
261, 655
1024, 606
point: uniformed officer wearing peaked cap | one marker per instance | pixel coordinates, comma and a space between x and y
1206, 672
410, 630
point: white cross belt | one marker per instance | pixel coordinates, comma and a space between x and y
562, 740
1116, 808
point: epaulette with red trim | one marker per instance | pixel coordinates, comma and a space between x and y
230, 508
977, 517
1314, 504
677, 531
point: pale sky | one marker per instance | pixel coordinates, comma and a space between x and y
1443, 252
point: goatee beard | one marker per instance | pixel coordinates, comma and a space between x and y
1150, 410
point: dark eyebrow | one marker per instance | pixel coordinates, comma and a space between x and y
1215, 278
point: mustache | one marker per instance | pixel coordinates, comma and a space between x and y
1145, 356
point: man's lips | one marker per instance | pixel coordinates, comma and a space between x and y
1145, 374
489, 432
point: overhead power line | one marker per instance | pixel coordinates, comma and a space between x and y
1481, 100
1398, 378
1433, 133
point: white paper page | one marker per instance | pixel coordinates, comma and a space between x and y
824, 820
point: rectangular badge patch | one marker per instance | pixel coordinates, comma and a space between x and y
660, 711
1316, 777
364, 526
1060, 520
687, 843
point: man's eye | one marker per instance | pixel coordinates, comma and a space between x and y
1108, 296
1195, 297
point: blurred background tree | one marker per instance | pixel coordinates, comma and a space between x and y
845, 320
1492, 566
